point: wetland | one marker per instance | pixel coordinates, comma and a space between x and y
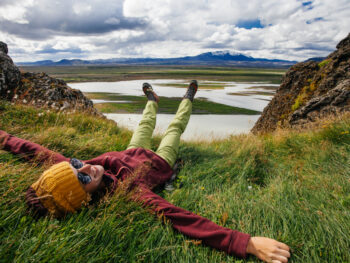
228, 101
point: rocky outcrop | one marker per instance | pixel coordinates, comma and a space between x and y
309, 91
39, 89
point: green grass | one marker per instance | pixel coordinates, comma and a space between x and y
136, 104
119, 73
300, 185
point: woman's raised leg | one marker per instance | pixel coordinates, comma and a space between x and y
169, 146
143, 133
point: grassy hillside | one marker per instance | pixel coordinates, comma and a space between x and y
291, 186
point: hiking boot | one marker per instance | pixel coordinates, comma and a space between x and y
149, 92
191, 90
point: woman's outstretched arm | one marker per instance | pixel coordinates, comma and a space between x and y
195, 226
28, 150
225, 239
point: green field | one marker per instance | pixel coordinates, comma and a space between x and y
136, 104
119, 73
291, 185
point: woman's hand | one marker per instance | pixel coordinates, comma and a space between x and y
268, 250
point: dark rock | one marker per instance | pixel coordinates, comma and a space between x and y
3, 47
345, 43
9, 74
310, 90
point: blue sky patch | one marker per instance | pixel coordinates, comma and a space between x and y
308, 5
314, 20
249, 24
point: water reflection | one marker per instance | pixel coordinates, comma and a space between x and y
255, 97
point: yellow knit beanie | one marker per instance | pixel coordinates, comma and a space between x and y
59, 190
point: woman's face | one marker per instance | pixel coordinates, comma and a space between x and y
96, 174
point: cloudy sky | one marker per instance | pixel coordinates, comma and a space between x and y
91, 29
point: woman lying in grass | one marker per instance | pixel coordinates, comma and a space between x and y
69, 183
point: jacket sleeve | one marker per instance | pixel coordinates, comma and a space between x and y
28, 150
195, 226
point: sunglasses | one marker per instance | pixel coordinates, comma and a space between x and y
83, 177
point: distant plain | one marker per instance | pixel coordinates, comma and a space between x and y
118, 73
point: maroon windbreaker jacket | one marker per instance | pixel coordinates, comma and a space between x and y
120, 166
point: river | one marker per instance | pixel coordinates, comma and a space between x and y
253, 96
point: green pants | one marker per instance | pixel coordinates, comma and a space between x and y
169, 146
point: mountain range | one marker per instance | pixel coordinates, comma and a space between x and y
218, 58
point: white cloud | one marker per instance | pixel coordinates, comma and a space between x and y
286, 29
15, 10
